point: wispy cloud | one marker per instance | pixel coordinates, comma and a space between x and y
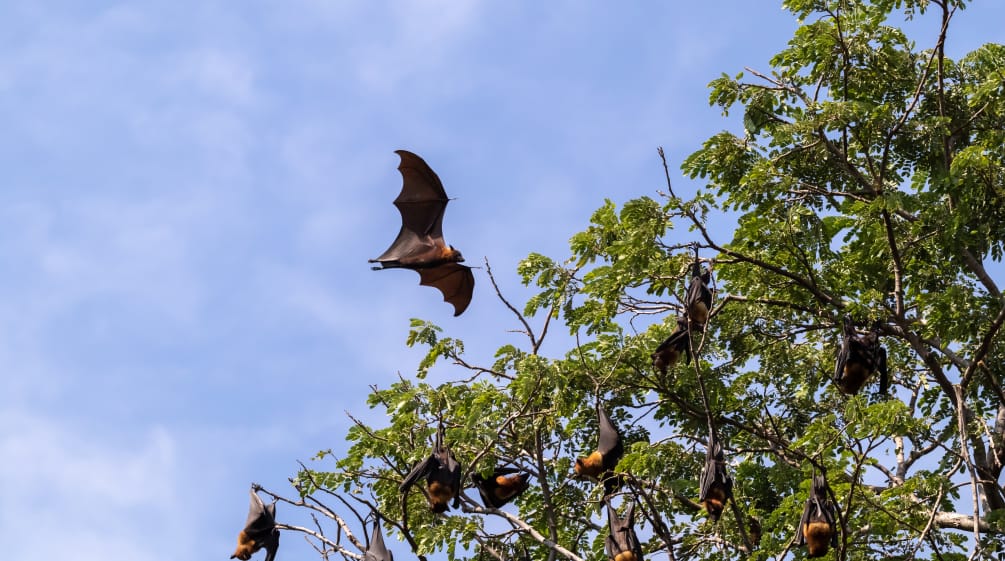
101, 487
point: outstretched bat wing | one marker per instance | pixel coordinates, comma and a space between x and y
377, 550
454, 280
422, 202
420, 470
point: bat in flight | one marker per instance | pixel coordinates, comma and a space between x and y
698, 301
716, 484
622, 543
442, 473
600, 463
816, 527
859, 357
678, 344
419, 245
504, 485
259, 531
377, 551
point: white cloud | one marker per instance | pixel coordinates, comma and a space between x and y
66, 491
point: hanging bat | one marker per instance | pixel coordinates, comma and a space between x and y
442, 473
678, 344
377, 551
504, 485
716, 484
622, 543
259, 531
754, 531
599, 464
419, 245
816, 527
698, 301
859, 357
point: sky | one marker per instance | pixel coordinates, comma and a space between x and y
189, 193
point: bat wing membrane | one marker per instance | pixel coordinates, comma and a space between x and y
377, 550
455, 281
421, 469
803, 520
845, 353
609, 441
261, 517
422, 200
621, 537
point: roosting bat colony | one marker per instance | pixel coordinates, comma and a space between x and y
420, 246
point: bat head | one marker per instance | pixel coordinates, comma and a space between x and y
454, 255
439, 507
590, 466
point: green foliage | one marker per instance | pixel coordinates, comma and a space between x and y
868, 182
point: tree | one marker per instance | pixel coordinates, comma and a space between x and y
868, 183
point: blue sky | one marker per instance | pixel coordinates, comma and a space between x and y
190, 192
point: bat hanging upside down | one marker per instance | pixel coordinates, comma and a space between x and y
443, 476
419, 245
504, 486
716, 484
622, 543
259, 530
600, 463
859, 357
377, 551
678, 344
698, 301
816, 527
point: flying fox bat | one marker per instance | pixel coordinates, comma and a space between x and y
859, 357
676, 345
716, 484
754, 531
622, 544
504, 485
377, 551
259, 531
698, 301
419, 245
442, 473
816, 527
599, 464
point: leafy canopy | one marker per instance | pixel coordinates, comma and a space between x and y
868, 181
